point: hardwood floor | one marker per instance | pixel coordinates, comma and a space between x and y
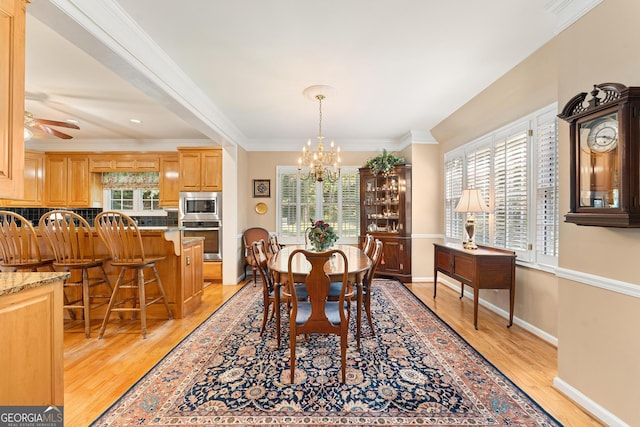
97, 372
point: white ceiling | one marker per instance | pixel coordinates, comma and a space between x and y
234, 71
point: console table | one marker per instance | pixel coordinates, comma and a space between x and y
482, 268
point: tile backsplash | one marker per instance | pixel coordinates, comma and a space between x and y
34, 214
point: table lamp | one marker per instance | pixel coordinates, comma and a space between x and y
471, 201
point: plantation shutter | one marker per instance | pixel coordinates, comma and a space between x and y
300, 202
349, 212
546, 184
511, 194
479, 177
453, 172
288, 197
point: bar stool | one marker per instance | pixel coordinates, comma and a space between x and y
121, 235
70, 237
19, 247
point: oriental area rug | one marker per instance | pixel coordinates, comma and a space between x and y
415, 371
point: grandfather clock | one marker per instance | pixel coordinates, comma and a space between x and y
605, 150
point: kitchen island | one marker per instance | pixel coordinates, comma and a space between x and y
31, 338
181, 270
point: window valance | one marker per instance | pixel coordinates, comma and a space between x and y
130, 180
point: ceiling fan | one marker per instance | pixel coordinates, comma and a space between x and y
43, 125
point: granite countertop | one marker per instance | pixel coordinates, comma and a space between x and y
15, 282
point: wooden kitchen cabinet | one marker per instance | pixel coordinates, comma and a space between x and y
169, 181
12, 46
31, 339
192, 274
68, 182
33, 181
124, 162
200, 169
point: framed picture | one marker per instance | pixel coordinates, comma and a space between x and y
261, 188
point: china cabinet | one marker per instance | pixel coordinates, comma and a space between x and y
605, 156
385, 212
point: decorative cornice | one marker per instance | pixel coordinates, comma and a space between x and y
569, 11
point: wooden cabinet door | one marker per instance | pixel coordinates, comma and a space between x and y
56, 181
169, 181
12, 45
211, 171
189, 171
78, 183
198, 269
33, 179
188, 270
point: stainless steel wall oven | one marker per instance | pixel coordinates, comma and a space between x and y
200, 215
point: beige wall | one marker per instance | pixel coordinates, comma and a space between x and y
598, 341
598, 336
262, 165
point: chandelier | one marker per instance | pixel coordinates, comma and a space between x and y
323, 165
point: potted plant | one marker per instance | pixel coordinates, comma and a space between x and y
384, 163
321, 235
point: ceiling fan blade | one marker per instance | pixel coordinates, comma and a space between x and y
56, 123
50, 131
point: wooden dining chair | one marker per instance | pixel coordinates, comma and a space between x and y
319, 314
274, 245
121, 235
368, 245
366, 288
259, 254
19, 248
71, 239
272, 292
250, 235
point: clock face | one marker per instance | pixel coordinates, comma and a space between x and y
601, 133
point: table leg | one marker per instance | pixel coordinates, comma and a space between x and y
511, 302
359, 313
435, 282
276, 291
475, 307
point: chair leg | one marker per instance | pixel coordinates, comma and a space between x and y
161, 288
343, 351
367, 307
86, 302
292, 345
143, 304
265, 315
112, 300
105, 278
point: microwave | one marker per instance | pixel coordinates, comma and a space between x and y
200, 205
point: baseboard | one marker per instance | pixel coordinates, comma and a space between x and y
589, 405
545, 336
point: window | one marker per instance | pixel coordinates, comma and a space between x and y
299, 202
134, 193
516, 167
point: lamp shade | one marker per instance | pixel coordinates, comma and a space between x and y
472, 201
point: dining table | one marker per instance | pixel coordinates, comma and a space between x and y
358, 263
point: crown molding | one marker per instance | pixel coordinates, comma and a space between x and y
569, 11
417, 137
345, 145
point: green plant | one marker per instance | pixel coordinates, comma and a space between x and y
383, 163
321, 235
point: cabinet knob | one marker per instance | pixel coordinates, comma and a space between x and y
188, 260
